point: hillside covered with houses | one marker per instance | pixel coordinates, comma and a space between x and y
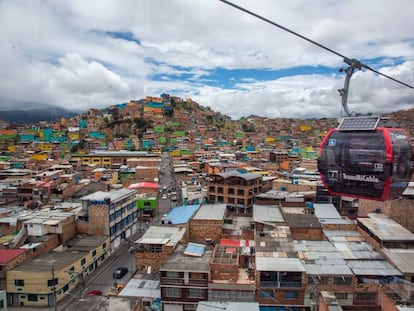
207, 208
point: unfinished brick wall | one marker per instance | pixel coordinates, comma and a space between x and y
155, 260
99, 220
200, 230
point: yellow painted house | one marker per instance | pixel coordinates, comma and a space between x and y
46, 279
39, 156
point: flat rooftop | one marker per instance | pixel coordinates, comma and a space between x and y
211, 212
267, 214
165, 235
179, 261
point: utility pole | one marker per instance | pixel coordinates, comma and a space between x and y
54, 289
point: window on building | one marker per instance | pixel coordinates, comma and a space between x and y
172, 292
240, 191
83, 261
198, 276
266, 294
221, 295
245, 296
154, 248
172, 274
321, 280
52, 282
342, 280
341, 295
18, 282
104, 245
94, 253
32, 297
366, 296
291, 295
195, 293
290, 279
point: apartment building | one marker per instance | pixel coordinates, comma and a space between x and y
232, 273
280, 275
43, 281
235, 189
184, 277
112, 213
108, 159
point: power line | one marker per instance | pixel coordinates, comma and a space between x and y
345, 58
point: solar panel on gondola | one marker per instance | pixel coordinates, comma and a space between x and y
364, 158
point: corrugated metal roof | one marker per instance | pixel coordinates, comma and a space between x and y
142, 288
402, 259
181, 214
211, 212
317, 269
114, 195
245, 176
279, 264
162, 235
267, 213
385, 228
327, 211
373, 268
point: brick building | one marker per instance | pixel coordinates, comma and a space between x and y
184, 277
112, 213
207, 224
153, 249
235, 189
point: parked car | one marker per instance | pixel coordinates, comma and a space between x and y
120, 272
115, 290
164, 196
95, 292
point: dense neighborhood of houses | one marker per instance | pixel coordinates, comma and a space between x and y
249, 225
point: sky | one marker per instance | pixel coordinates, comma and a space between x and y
92, 54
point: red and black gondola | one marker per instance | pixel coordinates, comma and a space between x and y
366, 157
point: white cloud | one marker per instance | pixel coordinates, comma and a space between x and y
62, 53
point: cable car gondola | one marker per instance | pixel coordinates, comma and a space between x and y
373, 161
366, 157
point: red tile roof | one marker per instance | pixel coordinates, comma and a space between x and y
8, 254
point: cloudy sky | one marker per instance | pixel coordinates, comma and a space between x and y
81, 54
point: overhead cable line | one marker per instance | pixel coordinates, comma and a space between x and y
346, 59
